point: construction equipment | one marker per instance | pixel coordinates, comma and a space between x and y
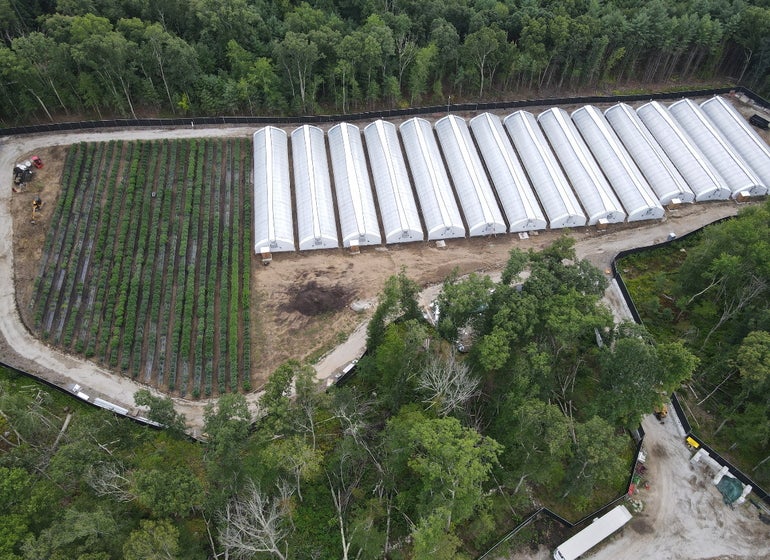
661, 412
37, 206
22, 173
37, 162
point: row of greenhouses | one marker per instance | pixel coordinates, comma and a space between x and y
488, 176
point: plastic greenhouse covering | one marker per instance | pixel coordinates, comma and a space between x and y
316, 223
700, 175
660, 172
516, 196
437, 202
355, 201
477, 200
744, 139
739, 176
555, 194
624, 176
593, 190
400, 218
273, 223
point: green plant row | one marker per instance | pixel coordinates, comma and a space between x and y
127, 239
148, 286
104, 253
171, 241
181, 268
118, 229
235, 269
69, 262
139, 287
223, 288
48, 289
80, 318
201, 291
246, 231
213, 272
89, 328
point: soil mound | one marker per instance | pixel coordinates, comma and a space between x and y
312, 299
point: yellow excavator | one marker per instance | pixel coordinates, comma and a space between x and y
37, 206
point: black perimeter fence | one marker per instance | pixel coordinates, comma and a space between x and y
373, 115
394, 113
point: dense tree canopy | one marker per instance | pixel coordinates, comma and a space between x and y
133, 57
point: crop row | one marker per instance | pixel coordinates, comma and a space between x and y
147, 266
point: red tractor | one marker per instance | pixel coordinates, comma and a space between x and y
37, 162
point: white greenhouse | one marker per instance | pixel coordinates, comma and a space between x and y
316, 223
736, 172
624, 176
273, 223
700, 175
746, 142
477, 200
592, 188
658, 169
355, 201
513, 189
400, 218
437, 202
559, 202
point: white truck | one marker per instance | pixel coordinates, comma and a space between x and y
592, 535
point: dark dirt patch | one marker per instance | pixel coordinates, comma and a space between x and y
642, 527
312, 299
659, 450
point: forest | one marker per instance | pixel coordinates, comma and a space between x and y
75, 59
426, 452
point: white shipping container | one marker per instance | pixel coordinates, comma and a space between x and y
592, 535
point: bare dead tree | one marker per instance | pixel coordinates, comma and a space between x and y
257, 523
733, 304
448, 384
343, 480
108, 479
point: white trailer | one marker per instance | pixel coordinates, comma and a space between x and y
592, 535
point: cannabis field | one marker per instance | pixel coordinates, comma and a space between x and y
147, 263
